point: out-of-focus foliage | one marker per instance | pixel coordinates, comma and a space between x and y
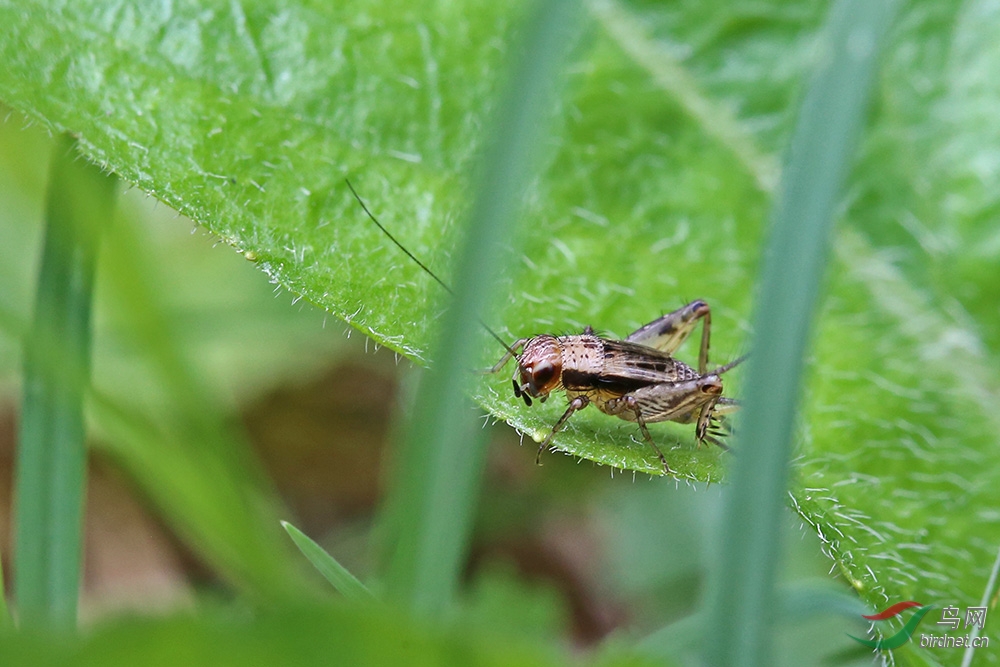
657, 180
303, 636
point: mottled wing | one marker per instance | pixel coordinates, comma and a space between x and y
638, 365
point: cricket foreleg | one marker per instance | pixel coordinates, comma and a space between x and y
633, 405
578, 403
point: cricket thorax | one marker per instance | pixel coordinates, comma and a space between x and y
583, 360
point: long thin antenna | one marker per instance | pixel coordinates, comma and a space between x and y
433, 275
731, 365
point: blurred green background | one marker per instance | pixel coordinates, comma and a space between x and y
225, 398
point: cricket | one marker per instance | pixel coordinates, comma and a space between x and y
636, 379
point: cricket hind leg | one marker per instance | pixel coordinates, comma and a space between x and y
670, 331
578, 403
633, 405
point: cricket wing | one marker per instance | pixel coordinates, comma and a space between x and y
637, 365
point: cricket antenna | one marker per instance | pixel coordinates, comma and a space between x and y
433, 275
731, 365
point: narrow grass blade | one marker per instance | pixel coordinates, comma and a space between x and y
795, 603
345, 582
741, 606
429, 509
4, 613
51, 454
988, 594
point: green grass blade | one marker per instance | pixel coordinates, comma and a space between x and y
430, 505
338, 575
51, 456
820, 157
988, 595
4, 612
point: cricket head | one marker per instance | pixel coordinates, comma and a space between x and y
539, 369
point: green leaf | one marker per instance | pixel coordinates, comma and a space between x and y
345, 582
655, 185
260, 157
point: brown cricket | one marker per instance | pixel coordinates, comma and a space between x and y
636, 379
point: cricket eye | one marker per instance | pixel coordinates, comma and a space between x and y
712, 387
542, 374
